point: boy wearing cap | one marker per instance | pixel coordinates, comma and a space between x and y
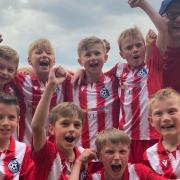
171, 9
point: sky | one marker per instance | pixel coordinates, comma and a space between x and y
66, 22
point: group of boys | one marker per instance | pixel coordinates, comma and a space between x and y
117, 99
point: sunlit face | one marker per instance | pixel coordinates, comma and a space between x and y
41, 61
8, 121
67, 131
133, 51
7, 71
114, 158
173, 14
166, 117
93, 59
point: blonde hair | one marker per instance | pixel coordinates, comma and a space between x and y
113, 135
161, 95
86, 43
43, 44
9, 54
131, 32
65, 109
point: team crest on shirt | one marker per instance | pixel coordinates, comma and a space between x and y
142, 72
14, 166
57, 89
104, 93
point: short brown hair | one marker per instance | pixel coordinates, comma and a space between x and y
88, 42
65, 109
161, 95
131, 32
40, 44
113, 135
9, 100
9, 54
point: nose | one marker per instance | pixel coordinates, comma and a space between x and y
5, 121
44, 54
116, 156
165, 117
71, 127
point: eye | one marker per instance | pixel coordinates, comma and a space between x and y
65, 123
11, 70
109, 152
138, 45
157, 113
12, 117
128, 48
172, 111
77, 125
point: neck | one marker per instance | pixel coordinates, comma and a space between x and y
170, 143
4, 144
93, 77
107, 177
42, 77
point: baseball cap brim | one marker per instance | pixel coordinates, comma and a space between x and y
164, 6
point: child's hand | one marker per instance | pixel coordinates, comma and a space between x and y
77, 78
87, 155
150, 37
1, 39
57, 75
135, 3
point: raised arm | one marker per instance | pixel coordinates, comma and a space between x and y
159, 22
56, 76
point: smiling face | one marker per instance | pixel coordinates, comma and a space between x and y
165, 117
173, 14
7, 71
133, 50
114, 157
67, 131
8, 120
41, 58
93, 59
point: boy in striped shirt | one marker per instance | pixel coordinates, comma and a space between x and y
113, 148
15, 161
97, 92
54, 160
164, 115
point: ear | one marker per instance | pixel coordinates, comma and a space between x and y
51, 129
106, 57
150, 120
29, 60
80, 62
99, 156
54, 61
121, 54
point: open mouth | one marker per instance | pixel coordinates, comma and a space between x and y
69, 138
116, 167
169, 126
93, 65
44, 62
136, 57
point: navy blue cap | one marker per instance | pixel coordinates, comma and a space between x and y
164, 5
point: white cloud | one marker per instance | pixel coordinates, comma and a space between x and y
65, 22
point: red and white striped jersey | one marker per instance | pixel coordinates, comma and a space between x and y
101, 102
162, 161
15, 163
132, 172
136, 86
50, 162
30, 90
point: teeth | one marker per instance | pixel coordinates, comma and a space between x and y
69, 139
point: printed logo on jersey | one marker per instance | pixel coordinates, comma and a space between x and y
13, 166
57, 90
164, 162
83, 174
104, 93
142, 72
